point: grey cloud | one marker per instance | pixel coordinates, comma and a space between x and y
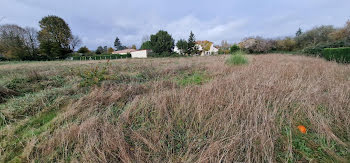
99, 22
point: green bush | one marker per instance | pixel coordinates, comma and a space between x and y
341, 55
318, 49
234, 48
237, 58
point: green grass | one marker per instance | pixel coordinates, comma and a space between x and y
238, 58
192, 79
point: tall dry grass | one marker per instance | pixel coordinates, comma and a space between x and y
246, 113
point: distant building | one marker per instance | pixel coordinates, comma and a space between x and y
177, 50
123, 52
205, 48
140, 53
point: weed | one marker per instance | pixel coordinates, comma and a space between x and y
196, 78
237, 58
94, 76
167, 110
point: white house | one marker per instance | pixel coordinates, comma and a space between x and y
177, 50
140, 53
203, 52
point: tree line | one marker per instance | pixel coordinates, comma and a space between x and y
310, 42
54, 40
162, 45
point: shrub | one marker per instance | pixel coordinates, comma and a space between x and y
234, 48
256, 45
313, 50
238, 58
341, 55
94, 75
287, 44
5, 93
318, 49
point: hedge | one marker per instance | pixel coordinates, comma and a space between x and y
102, 57
341, 55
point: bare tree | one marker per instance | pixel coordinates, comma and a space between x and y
225, 45
31, 40
76, 41
19, 43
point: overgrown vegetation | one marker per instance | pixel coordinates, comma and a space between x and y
337, 54
194, 109
237, 58
311, 42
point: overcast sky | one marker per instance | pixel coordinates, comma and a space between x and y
99, 22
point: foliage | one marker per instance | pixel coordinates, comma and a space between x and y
146, 45
17, 43
162, 42
341, 55
225, 46
110, 50
341, 34
287, 44
94, 76
196, 78
317, 50
99, 50
234, 48
299, 32
256, 45
55, 37
133, 47
118, 45
192, 48
237, 58
83, 50
315, 36
182, 45
53, 50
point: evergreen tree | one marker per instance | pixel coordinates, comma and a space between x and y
162, 42
146, 45
118, 45
99, 50
105, 49
191, 43
299, 32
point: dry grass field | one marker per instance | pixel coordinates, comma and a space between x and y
195, 109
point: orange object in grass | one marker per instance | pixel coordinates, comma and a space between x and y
302, 129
